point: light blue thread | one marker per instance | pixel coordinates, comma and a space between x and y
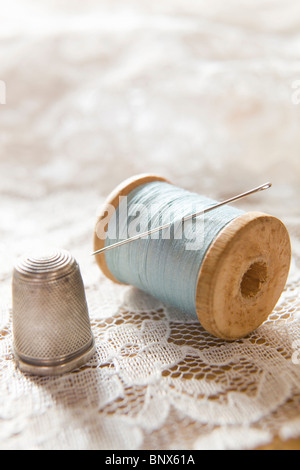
165, 268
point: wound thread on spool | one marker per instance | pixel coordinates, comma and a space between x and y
230, 281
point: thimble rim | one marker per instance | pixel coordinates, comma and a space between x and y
56, 366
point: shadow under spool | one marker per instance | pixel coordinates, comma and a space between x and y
243, 273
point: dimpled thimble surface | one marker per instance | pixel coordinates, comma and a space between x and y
51, 327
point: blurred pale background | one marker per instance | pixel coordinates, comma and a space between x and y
205, 93
100, 90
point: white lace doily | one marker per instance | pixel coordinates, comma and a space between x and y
201, 93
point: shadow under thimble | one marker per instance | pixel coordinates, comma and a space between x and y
51, 327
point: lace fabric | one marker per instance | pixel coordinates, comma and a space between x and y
72, 131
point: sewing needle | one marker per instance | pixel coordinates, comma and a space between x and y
263, 187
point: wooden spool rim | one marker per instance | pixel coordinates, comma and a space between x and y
243, 273
122, 190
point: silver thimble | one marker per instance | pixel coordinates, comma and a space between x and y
51, 327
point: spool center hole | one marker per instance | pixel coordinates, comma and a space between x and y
254, 279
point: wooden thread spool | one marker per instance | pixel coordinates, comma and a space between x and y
243, 274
